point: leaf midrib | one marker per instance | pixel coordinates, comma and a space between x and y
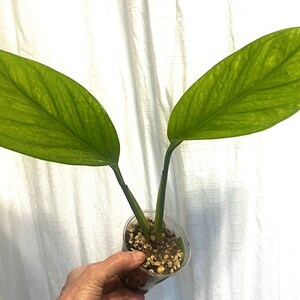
61, 125
252, 88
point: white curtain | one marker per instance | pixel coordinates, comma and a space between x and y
238, 198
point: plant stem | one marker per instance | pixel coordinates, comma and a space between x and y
160, 204
142, 220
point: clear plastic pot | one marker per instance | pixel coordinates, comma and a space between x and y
142, 279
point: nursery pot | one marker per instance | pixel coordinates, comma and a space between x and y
164, 258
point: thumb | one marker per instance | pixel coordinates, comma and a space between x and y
121, 261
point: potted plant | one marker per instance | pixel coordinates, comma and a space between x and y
46, 115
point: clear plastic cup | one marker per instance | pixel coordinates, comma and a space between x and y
142, 279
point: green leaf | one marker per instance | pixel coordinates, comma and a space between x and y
47, 115
249, 91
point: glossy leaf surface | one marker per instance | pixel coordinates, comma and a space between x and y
47, 115
249, 91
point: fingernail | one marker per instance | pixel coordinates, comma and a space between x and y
138, 255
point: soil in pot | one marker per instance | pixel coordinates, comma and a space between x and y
164, 258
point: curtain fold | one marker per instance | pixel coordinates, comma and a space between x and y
237, 198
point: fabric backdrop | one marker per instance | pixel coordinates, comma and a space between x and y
237, 198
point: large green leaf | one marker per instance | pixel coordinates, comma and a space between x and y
249, 91
47, 115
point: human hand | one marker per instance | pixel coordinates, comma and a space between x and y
101, 281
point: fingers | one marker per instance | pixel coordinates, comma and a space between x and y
89, 281
123, 294
121, 261
75, 274
112, 284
